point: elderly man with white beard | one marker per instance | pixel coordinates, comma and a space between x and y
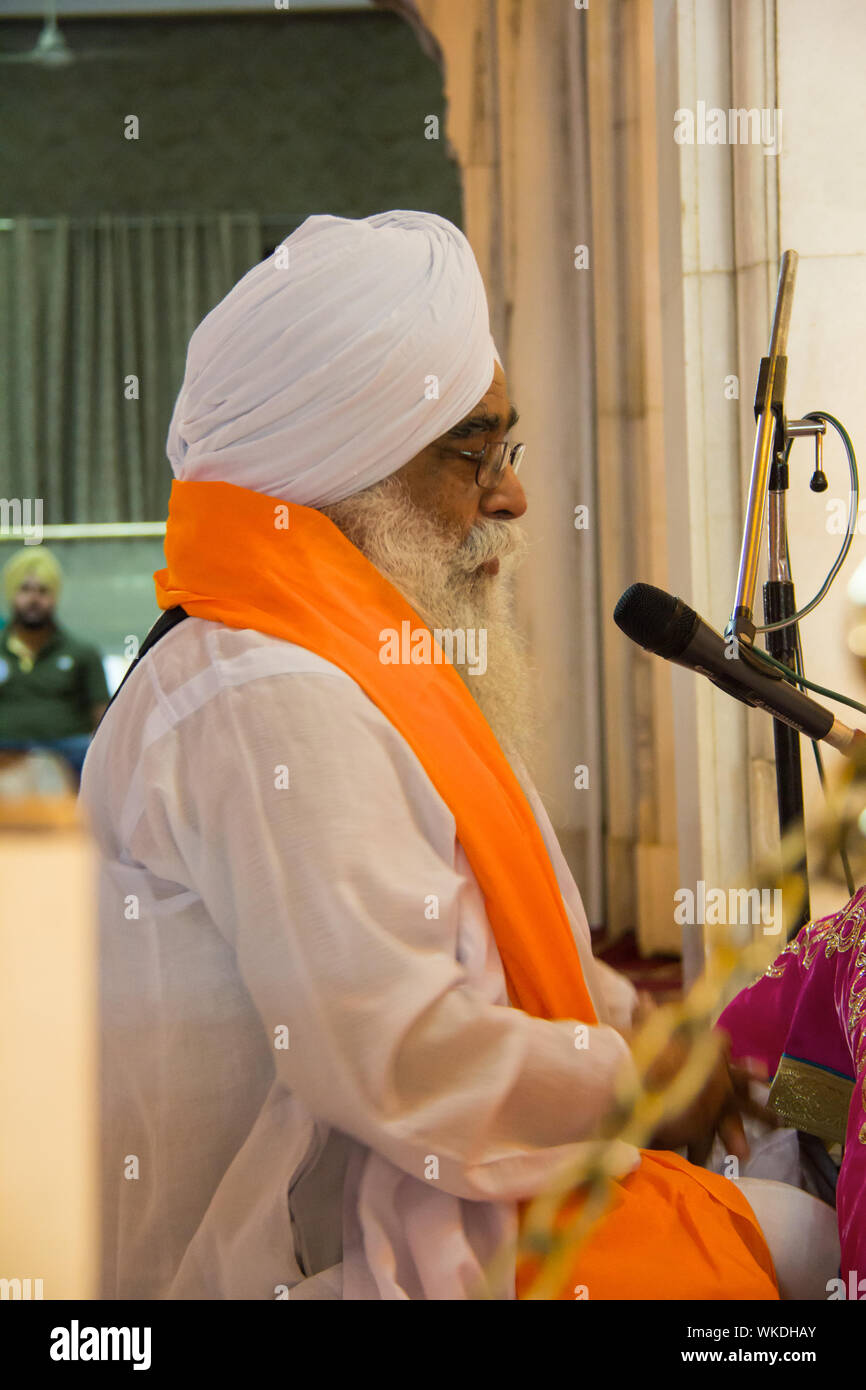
351, 1017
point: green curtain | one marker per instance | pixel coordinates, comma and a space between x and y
85, 304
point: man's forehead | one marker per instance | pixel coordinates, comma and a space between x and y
497, 392
494, 410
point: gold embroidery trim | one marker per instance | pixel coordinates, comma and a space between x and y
843, 931
810, 1098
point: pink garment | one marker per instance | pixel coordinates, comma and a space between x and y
810, 1007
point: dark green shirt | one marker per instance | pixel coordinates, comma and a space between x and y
56, 697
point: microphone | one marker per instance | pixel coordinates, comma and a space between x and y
668, 627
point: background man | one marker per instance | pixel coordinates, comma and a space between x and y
52, 686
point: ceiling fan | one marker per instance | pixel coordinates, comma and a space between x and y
52, 51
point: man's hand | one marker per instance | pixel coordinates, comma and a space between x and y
718, 1107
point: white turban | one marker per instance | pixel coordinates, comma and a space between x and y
317, 377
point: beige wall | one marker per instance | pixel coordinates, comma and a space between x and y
822, 214
523, 149
684, 244
705, 341
546, 117
739, 208
641, 841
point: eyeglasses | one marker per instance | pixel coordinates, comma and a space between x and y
493, 461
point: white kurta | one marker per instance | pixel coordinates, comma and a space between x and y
312, 1079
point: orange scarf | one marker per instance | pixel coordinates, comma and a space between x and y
249, 561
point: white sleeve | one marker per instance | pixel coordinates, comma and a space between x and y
614, 996
296, 809
618, 993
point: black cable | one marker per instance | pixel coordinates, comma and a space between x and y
849, 534
819, 760
794, 678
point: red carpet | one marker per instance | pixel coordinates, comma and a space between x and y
661, 976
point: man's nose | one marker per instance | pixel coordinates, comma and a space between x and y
506, 500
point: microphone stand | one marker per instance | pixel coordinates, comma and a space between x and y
779, 602
770, 477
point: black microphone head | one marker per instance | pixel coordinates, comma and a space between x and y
655, 620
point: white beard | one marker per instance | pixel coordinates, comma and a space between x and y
435, 568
